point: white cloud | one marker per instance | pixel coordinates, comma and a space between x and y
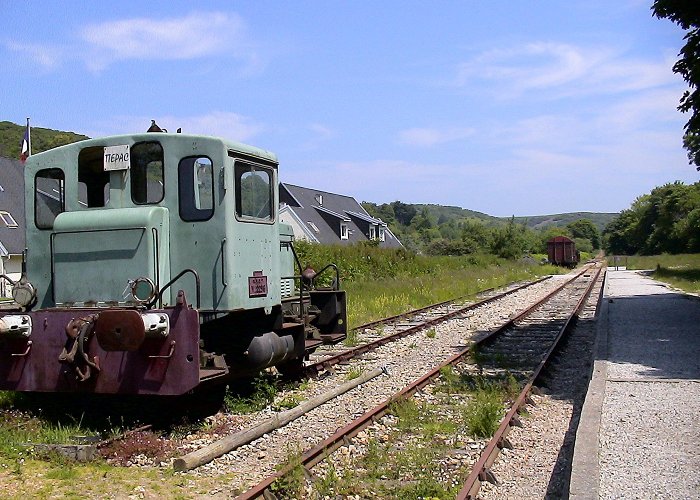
427, 137
196, 35
46, 56
217, 123
563, 70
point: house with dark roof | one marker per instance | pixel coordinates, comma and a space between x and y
329, 218
12, 221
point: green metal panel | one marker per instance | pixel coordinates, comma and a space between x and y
223, 251
95, 256
251, 249
287, 263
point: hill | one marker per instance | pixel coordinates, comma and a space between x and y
446, 213
599, 219
43, 139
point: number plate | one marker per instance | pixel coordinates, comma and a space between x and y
257, 285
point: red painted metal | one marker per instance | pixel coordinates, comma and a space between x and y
152, 369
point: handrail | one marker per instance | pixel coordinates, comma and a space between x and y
337, 276
159, 295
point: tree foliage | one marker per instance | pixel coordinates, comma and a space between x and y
584, 229
667, 220
43, 139
686, 14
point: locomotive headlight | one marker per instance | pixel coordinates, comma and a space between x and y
23, 292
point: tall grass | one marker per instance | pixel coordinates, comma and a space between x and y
384, 282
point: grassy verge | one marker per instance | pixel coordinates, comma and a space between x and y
370, 299
680, 271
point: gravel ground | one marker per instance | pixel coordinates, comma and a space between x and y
406, 360
649, 440
538, 465
649, 435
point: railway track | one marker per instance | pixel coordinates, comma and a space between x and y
378, 333
513, 329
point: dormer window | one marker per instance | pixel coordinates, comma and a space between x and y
382, 233
319, 199
372, 233
7, 218
343, 231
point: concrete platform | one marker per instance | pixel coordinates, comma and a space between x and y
639, 433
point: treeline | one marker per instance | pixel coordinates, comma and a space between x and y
667, 220
43, 139
420, 230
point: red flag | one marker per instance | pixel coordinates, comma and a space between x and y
24, 148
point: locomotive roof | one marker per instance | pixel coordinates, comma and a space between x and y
169, 136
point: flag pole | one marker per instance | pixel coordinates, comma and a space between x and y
29, 140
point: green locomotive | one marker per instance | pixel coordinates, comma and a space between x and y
156, 263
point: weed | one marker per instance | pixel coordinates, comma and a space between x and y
65, 473
484, 412
287, 402
407, 412
7, 399
263, 393
325, 484
352, 339
431, 333
353, 373
450, 379
425, 488
291, 484
375, 459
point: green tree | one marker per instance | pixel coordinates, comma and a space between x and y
476, 236
510, 241
665, 220
686, 14
403, 212
585, 229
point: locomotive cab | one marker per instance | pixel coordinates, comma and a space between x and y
156, 262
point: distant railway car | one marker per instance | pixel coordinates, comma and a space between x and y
561, 251
156, 263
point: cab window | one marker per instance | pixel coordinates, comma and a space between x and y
196, 188
93, 180
49, 196
147, 173
254, 195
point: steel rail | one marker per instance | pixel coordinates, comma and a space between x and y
480, 472
414, 312
314, 369
319, 452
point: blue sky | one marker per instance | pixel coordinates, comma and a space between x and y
505, 107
